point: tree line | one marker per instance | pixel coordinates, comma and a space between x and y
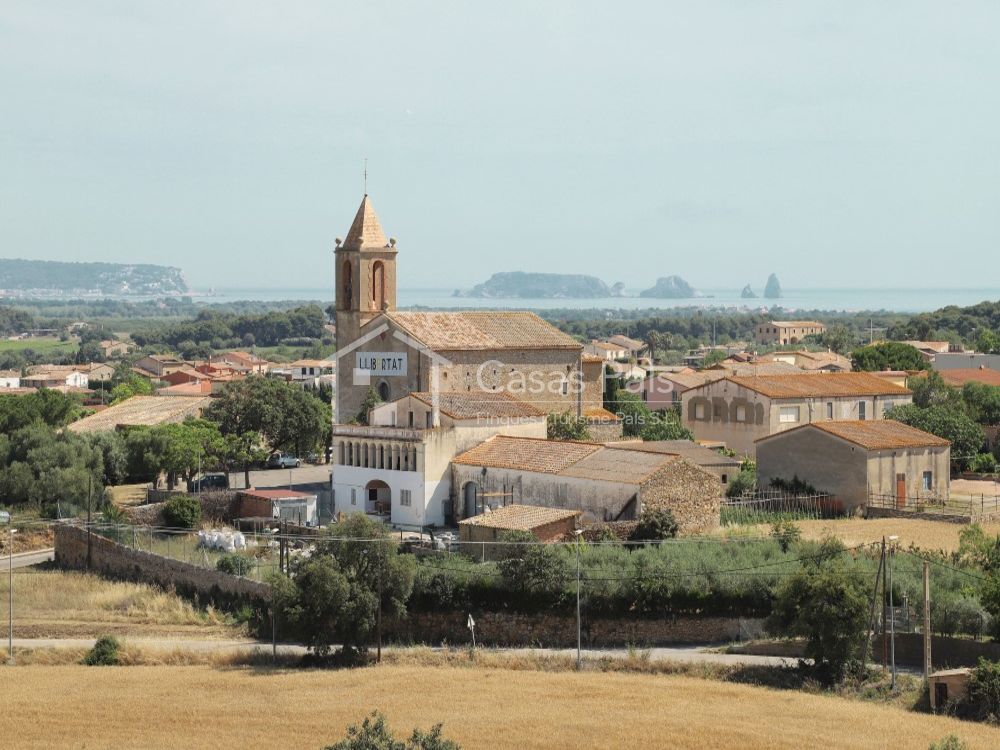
219, 330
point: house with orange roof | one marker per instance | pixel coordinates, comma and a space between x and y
857, 460
738, 410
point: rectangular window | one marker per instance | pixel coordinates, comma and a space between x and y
928, 480
829, 410
354, 496
741, 416
717, 410
699, 411
404, 498
565, 387
862, 409
410, 419
788, 414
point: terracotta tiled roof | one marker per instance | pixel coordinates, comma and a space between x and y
566, 458
745, 369
962, 376
527, 454
592, 359
365, 231
481, 330
820, 384
879, 434
479, 404
627, 342
519, 517
696, 454
143, 410
692, 379
600, 413
795, 324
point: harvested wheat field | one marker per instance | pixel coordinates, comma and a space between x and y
929, 535
54, 603
202, 707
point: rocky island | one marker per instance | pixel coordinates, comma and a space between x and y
773, 288
521, 284
670, 287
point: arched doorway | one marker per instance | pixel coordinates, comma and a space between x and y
470, 495
383, 391
378, 498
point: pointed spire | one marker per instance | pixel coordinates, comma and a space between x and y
366, 231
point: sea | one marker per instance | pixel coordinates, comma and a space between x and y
833, 300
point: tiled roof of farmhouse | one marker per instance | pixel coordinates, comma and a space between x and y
519, 517
365, 231
795, 323
820, 385
878, 434
566, 458
143, 410
482, 330
478, 404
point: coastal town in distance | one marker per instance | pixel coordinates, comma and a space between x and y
491, 391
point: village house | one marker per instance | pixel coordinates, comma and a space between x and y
56, 376
740, 410
634, 347
398, 466
279, 505
155, 366
810, 361
855, 461
10, 378
603, 483
663, 390
99, 372
114, 349
243, 362
784, 332
607, 351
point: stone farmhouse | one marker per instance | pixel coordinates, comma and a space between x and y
740, 410
784, 332
853, 460
604, 483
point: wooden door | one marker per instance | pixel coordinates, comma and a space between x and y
901, 490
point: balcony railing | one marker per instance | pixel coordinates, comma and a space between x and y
359, 431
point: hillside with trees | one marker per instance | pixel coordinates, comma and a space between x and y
44, 277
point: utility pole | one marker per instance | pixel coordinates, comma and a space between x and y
89, 492
378, 618
927, 619
885, 632
579, 636
10, 596
892, 624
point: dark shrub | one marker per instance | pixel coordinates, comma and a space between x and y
235, 565
104, 653
655, 526
182, 512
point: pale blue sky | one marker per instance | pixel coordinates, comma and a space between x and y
839, 143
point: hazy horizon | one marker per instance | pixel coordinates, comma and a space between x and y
840, 147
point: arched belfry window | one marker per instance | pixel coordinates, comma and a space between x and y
378, 285
348, 286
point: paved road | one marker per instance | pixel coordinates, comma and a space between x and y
681, 654
25, 559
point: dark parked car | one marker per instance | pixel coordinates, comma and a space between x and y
208, 482
283, 461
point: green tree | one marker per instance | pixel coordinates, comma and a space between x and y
946, 421
837, 338
374, 734
358, 567
287, 416
536, 571
665, 425
655, 526
987, 341
370, 401
634, 413
565, 426
982, 402
182, 512
827, 603
888, 355
45, 406
132, 385
187, 447
714, 357
931, 390
984, 689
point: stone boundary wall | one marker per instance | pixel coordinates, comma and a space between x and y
118, 561
559, 631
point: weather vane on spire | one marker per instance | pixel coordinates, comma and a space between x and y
366, 176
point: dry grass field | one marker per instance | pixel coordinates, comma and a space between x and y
202, 707
55, 603
929, 535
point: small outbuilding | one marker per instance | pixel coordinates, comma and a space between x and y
857, 460
546, 524
280, 505
948, 685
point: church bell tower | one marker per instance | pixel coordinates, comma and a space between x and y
365, 274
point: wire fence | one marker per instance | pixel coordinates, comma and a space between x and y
770, 506
971, 506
